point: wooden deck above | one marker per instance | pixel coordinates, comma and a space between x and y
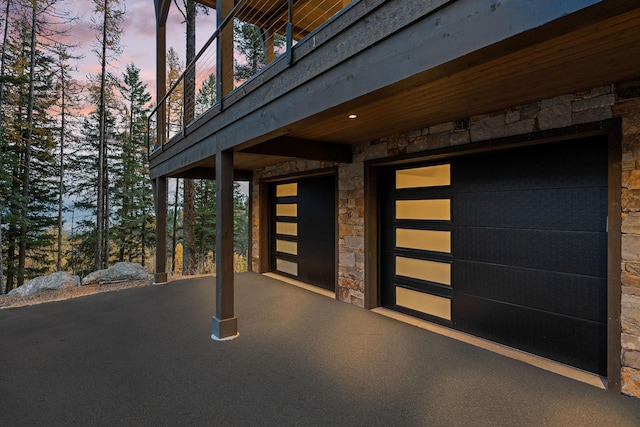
273, 13
405, 65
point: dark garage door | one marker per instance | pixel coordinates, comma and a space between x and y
509, 245
303, 230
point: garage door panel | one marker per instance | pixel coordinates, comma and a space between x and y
542, 209
316, 219
568, 165
564, 339
560, 293
528, 248
561, 251
303, 230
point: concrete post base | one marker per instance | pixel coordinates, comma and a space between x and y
225, 329
160, 278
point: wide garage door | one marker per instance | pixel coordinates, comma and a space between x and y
509, 245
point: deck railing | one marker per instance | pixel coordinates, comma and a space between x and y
252, 36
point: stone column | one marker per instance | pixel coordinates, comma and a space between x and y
628, 109
225, 324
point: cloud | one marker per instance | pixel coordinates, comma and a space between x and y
140, 21
138, 38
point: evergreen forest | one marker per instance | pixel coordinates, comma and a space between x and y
75, 193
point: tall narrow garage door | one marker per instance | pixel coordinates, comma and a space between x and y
509, 245
303, 230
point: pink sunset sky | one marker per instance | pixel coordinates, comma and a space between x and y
138, 38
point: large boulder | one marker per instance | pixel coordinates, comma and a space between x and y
119, 272
57, 280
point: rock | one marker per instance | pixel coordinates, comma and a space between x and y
120, 271
57, 280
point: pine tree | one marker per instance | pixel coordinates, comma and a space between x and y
175, 99
206, 96
240, 220
107, 20
250, 42
174, 229
133, 196
68, 92
189, 14
205, 221
28, 138
3, 145
85, 189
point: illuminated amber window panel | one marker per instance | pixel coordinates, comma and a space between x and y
287, 247
425, 240
432, 271
425, 303
287, 209
429, 176
287, 228
287, 190
430, 209
287, 266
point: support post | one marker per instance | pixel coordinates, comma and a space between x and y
160, 196
250, 228
225, 324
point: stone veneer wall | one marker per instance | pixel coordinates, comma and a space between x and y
627, 107
601, 103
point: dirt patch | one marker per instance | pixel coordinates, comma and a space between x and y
17, 300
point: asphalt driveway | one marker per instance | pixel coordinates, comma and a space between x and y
144, 357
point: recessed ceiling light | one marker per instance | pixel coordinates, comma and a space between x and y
353, 116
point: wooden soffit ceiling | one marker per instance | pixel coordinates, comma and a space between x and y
603, 53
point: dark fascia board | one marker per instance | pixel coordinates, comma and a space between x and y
304, 149
202, 172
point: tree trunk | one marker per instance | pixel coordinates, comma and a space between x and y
143, 255
72, 249
99, 255
3, 57
205, 201
1, 270
175, 226
12, 234
189, 254
11, 255
61, 182
26, 171
189, 258
107, 241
